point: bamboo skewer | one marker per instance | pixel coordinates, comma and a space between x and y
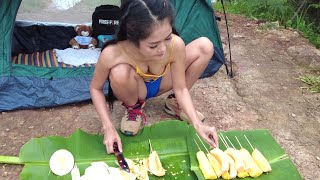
238, 142
230, 142
202, 142
223, 141
197, 144
248, 142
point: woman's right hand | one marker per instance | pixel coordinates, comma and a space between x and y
110, 137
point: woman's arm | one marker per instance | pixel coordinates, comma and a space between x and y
98, 81
183, 96
100, 76
179, 82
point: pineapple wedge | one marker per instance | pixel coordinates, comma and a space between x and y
238, 162
226, 175
261, 161
155, 165
205, 166
232, 173
242, 174
236, 156
222, 158
250, 166
214, 164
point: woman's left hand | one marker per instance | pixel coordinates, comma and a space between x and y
208, 133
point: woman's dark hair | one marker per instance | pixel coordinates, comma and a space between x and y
137, 19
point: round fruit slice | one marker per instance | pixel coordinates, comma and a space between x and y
61, 162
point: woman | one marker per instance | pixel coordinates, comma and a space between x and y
144, 60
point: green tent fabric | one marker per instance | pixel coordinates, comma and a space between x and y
24, 86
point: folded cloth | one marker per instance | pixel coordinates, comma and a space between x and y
78, 57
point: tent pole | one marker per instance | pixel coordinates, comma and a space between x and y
231, 75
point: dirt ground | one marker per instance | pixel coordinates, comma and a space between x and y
264, 93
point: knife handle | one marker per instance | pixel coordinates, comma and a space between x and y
115, 148
122, 163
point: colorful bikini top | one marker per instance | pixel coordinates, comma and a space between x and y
149, 77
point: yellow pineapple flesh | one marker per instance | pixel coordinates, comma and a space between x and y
214, 164
205, 166
236, 156
251, 167
155, 165
222, 158
261, 161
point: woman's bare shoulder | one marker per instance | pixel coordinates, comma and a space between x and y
179, 43
110, 56
179, 47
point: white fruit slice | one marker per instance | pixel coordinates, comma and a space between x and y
61, 162
75, 173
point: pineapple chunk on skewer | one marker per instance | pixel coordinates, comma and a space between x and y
232, 173
222, 158
242, 174
236, 156
215, 164
205, 166
261, 161
251, 167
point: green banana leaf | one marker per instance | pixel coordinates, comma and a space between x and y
173, 141
282, 166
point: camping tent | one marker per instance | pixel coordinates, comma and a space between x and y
28, 86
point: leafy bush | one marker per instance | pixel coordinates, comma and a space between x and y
301, 15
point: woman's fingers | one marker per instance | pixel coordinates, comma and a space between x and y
211, 141
215, 140
119, 145
209, 134
109, 146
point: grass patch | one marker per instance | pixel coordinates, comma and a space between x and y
313, 83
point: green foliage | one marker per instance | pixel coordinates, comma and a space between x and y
312, 82
300, 15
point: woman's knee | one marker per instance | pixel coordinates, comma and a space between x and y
206, 46
121, 74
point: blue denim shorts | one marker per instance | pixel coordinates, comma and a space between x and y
153, 88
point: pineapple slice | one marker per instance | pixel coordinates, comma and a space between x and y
226, 175
236, 156
250, 166
242, 174
155, 165
232, 173
222, 158
238, 162
261, 161
140, 169
215, 164
205, 166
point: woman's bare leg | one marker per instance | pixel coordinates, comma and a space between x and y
198, 54
127, 86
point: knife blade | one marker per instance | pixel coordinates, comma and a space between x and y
120, 158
